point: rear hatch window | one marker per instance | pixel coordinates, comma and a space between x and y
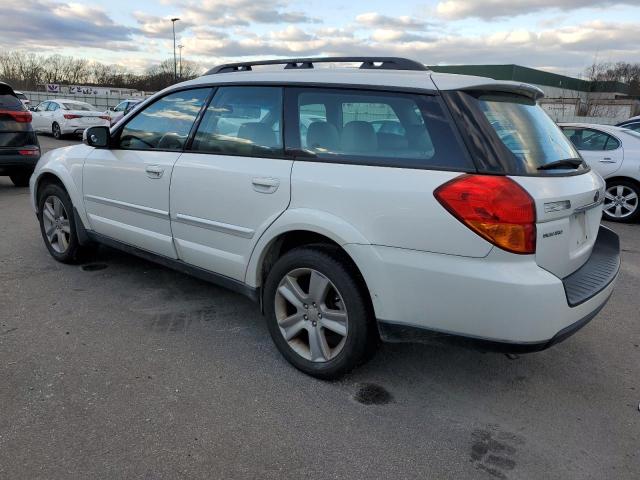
511, 134
10, 102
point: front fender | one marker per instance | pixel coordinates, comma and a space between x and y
305, 219
66, 165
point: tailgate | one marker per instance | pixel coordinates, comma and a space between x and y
568, 212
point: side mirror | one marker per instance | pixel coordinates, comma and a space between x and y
32, 109
96, 137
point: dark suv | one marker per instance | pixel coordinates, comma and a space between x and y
19, 148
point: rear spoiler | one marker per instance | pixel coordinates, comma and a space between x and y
524, 89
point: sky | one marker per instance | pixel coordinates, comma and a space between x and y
562, 36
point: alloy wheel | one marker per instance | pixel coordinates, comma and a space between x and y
55, 220
620, 201
311, 315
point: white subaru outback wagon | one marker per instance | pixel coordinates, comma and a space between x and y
355, 204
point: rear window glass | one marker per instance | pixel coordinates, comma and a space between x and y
10, 102
377, 128
83, 107
526, 130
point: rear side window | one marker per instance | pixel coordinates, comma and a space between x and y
244, 121
374, 128
166, 123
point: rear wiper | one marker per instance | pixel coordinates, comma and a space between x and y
566, 163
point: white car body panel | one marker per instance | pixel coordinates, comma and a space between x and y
221, 205
125, 200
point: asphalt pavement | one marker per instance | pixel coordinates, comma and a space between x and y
120, 368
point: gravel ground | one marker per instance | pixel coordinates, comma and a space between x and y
136, 371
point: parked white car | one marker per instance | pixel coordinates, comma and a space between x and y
632, 123
122, 109
63, 117
23, 98
613, 152
470, 216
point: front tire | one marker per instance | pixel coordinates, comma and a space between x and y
56, 131
622, 201
57, 224
318, 312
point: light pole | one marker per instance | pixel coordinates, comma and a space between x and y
180, 60
175, 67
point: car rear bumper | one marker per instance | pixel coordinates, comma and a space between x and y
503, 300
76, 128
11, 161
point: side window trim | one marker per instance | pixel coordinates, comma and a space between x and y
115, 134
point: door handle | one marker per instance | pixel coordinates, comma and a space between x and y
265, 184
607, 160
154, 171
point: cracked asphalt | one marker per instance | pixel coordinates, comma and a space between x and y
130, 370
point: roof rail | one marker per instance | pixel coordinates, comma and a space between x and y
368, 63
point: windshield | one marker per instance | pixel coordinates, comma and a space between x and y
84, 107
526, 130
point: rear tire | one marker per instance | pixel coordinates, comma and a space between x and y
57, 224
21, 179
622, 201
56, 131
318, 312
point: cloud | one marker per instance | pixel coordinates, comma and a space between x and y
374, 19
47, 24
490, 9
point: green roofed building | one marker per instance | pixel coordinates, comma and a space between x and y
567, 99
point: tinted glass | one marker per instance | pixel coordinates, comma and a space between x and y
82, 107
53, 106
633, 126
120, 107
379, 128
166, 123
10, 102
526, 130
42, 107
591, 140
242, 121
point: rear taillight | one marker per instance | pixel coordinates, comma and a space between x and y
70, 116
29, 152
494, 207
19, 116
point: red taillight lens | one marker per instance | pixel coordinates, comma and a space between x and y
494, 207
70, 116
17, 116
29, 152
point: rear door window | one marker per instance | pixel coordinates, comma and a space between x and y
374, 128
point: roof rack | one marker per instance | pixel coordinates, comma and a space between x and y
367, 63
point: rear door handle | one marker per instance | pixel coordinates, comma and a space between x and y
607, 160
154, 171
265, 184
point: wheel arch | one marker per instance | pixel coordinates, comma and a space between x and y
300, 227
635, 181
56, 173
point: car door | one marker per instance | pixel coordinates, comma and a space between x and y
232, 182
126, 186
602, 151
50, 117
38, 116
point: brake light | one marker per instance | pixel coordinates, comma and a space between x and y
70, 116
29, 151
495, 207
19, 116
